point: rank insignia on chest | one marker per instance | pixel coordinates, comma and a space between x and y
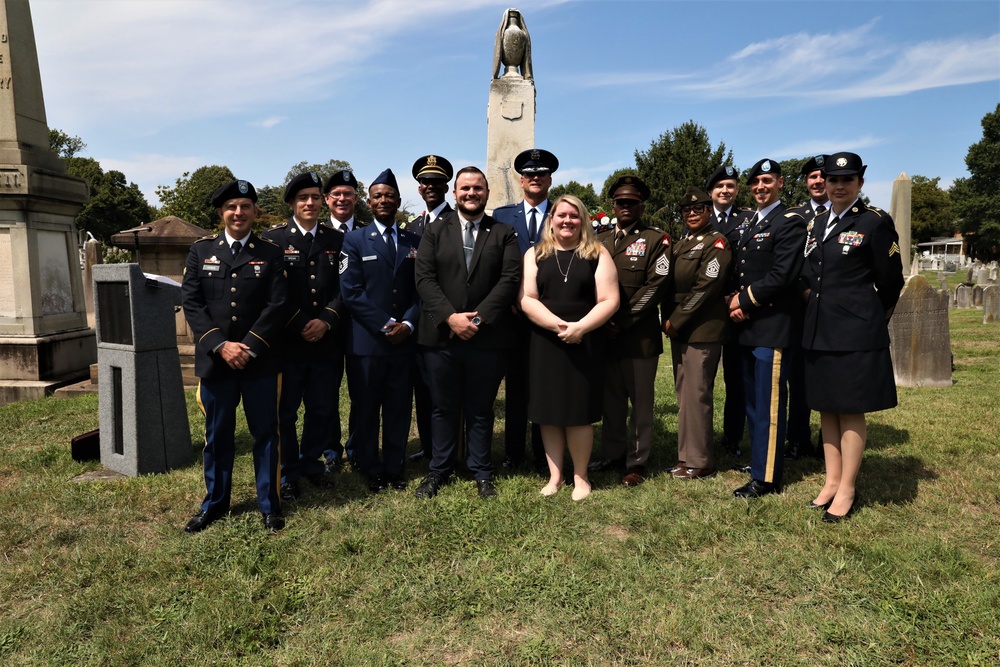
636, 249
851, 238
411, 253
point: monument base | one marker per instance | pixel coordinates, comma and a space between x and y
12, 391
45, 358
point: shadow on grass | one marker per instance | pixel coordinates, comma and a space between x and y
891, 480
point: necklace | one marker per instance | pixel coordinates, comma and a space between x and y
565, 274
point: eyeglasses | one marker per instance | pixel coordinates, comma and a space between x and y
626, 203
697, 209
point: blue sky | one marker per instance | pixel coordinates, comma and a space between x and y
157, 88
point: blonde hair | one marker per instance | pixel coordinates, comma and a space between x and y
589, 247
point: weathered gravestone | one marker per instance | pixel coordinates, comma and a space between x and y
977, 295
944, 284
951, 297
970, 274
982, 275
921, 340
991, 304
963, 297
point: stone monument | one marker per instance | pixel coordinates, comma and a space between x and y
991, 304
511, 111
899, 209
45, 341
921, 339
963, 296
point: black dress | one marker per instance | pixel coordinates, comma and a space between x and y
566, 380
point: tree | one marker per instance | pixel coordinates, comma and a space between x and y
586, 193
795, 191
676, 160
931, 212
977, 198
114, 204
190, 198
325, 171
64, 145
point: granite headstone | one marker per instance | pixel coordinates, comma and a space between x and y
921, 340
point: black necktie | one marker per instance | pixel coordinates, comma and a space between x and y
343, 227
821, 209
722, 220
470, 244
532, 226
390, 244
237, 247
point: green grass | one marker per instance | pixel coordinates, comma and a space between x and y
669, 573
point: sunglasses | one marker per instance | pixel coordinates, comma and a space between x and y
697, 209
626, 203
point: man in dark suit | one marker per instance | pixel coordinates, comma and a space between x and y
468, 273
341, 193
233, 295
724, 186
377, 283
768, 313
527, 217
432, 173
312, 350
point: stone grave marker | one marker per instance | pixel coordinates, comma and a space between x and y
963, 297
991, 304
920, 337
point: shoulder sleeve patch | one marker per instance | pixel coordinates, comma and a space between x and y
666, 240
720, 244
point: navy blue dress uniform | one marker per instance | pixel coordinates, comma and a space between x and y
378, 286
238, 299
768, 262
731, 223
311, 369
642, 258
528, 222
854, 274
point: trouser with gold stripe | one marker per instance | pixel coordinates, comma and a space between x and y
765, 372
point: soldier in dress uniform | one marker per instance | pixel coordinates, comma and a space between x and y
768, 314
312, 350
642, 257
697, 322
233, 295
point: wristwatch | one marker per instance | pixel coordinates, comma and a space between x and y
477, 320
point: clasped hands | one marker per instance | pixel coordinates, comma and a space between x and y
736, 313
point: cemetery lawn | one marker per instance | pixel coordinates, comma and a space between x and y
669, 573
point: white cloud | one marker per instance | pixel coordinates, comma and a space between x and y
268, 123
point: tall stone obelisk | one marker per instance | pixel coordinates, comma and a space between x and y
511, 112
44, 337
899, 209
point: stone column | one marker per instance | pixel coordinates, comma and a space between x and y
899, 209
511, 129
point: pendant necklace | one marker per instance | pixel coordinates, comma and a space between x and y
559, 265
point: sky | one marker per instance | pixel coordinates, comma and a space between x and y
156, 88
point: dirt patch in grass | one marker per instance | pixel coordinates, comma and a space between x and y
618, 532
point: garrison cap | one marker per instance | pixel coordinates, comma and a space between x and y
724, 173
385, 178
433, 167
844, 164
814, 163
693, 196
629, 187
535, 161
234, 190
344, 177
307, 179
765, 166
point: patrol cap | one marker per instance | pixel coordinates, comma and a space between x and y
385, 178
344, 177
234, 190
765, 166
814, 163
629, 187
693, 196
844, 164
723, 173
432, 167
307, 179
535, 161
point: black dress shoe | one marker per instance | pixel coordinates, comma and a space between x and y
332, 466
290, 490
273, 522
418, 455
837, 518
200, 521
377, 484
430, 486
486, 488
793, 451
601, 465
397, 483
510, 462
321, 480
733, 447
755, 489
825, 506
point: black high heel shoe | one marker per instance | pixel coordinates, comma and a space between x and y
837, 518
825, 506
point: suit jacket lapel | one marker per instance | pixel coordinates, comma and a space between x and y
481, 237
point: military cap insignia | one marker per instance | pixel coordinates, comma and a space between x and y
535, 155
820, 160
244, 186
662, 267
314, 176
627, 179
842, 162
694, 197
713, 268
346, 175
730, 171
432, 160
893, 249
766, 167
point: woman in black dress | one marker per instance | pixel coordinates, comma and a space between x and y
853, 274
569, 290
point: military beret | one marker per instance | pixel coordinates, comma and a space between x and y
814, 163
234, 190
724, 173
630, 186
344, 177
307, 179
844, 164
433, 167
385, 178
535, 161
694, 196
765, 166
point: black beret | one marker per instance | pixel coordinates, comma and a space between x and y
535, 161
344, 177
385, 178
307, 179
633, 186
433, 167
234, 190
844, 164
814, 163
724, 173
694, 195
765, 166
